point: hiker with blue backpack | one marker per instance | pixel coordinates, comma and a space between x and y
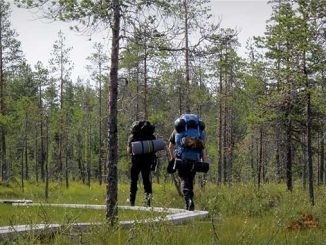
186, 148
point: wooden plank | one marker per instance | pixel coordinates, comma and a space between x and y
65, 205
12, 201
7, 233
94, 206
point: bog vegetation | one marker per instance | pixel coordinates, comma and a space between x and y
238, 214
264, 113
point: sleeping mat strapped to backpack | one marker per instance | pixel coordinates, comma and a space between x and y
144, 139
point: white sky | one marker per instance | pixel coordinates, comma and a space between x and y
38, 35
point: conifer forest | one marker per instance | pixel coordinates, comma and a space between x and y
264, 111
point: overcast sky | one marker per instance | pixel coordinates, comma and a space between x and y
38, 35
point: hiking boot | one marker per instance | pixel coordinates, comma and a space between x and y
147, 200
190, 205
131, 199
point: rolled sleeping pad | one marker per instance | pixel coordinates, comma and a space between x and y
147, 146
191, 165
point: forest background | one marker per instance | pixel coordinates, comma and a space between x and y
264, 113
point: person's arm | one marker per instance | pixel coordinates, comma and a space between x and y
171, 145
171, 151
129, 151
202, 155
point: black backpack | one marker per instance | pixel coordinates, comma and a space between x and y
142, 129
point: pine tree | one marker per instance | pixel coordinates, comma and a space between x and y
99, 66
10, 57
280, 45
41, 78
61, 67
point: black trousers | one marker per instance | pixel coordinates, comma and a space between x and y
143, 166
187, 181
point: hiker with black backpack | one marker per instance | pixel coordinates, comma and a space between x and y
186, 148
142, 145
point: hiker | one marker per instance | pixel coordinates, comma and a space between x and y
141, 163
186, 148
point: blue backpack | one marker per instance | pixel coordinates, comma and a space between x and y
189, 137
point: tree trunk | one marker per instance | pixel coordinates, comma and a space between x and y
88, 152
277, 158
318, 160
26, 149
225, 145
46, 172
4, 167
81, 169
4, 170
279, 171
145, 82
308, 133
36, 157
264, 163
309, 151
180, 98
42, 154
88, 174
230, 145
305, 163
67, 168
187, 87
252, 159
57, 156
100, 128
137, 93
225, 165
60, 164
226, 121
220, 135
289, 183
61, 135
22, 169
112, 160
322, 158
260, 161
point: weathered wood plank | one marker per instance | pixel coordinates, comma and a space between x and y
174, 215
11, 201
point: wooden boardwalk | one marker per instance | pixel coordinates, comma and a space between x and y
173, 215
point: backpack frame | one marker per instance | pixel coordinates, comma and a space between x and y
189, 137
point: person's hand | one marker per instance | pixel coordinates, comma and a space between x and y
171, 168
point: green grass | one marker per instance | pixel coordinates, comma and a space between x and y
238, 214
16, 215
